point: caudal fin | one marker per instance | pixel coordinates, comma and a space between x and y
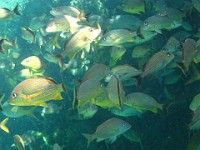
89, 137
16, 11
3, 125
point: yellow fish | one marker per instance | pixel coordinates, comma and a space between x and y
35, 92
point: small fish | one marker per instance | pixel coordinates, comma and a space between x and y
195, 103
116, 53
19, 143
108, 130
196, 5
56, 147
6, 45
27, 73
35, 92
172, 13
79, 41
88, 91
188, 53
63, 24
37, 23
116, 37
195, 122
157, 62
134, 6
50, 109
32, 63
125, 72
87, 111
141, 51
6, 13
116, 91
97, 72
28, 35
3, 125
156, 23
126, 111
68, 10
142, 101
172, 45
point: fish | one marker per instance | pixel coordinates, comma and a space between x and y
116, 53
188, 53
142, 101
118, 22
33, 63
196, 5
195, 122
16, 111
87, 110
79, 41
3, 125
155, 23
63, 23
68, 10
116, 91
172, 45
27, 73
37, 23
19, 143
195, 103
28, 35
126, 111
56, 147
88, 91
108, 130
97, 72
6, 45
116, 37
134, 6
50, 109
172, 13
6, 13
157, 62
141, 51
36, 92
125, 72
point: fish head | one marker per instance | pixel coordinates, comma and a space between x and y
18, 99
93, 33
124, 126
168, 57
31, 62
51, 27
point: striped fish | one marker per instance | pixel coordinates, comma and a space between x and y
157, 62
35, 92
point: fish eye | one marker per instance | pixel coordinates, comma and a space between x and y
146, 23
14, 95
168, 54
91, 29
124, 124
27, 60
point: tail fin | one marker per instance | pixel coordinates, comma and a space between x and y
16, 10
196, 75
89, 137
1, 98
3, 125
14, 43
30, 113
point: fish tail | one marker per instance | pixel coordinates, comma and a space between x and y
1, 48
89, 137
14, 43
182, 67
61, 63
3, 125
196, 75
1, 98
16, 10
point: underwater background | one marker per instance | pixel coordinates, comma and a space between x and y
172, 86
